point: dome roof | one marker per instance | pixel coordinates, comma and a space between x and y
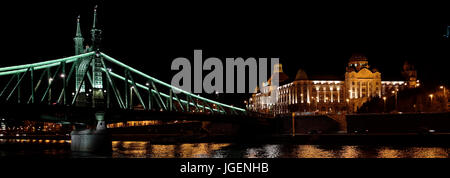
358, 57
301, 75
282, 78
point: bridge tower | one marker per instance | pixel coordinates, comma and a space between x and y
78, 39
80, 65
92, 96
97, 78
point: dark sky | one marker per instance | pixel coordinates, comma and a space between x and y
319, 38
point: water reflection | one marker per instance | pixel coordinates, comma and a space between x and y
144, 149
349, 152
214, 150
388, 153
420, 152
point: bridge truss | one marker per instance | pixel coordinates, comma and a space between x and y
56, 87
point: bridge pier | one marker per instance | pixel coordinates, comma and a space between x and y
92, 140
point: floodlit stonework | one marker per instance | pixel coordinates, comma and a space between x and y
306, 95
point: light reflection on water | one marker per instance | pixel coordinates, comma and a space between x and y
215, 150
144, 149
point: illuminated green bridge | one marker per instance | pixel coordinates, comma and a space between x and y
92, 80
169, 101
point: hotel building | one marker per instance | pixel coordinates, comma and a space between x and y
314, 95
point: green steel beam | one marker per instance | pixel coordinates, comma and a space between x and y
18, 90
90, 79
195, 104
222, 109
63, 76
81, 83
136, 90
179, 102
111, 83
159, 95
32, 84
58, 62
108, 95
153, 91
165, 84
17, 84
38, 84
170, 99
50, 82
67, 77
127, 103
189, 99
66, 59
187, 103
209, 106
24, 70
7, 85
149, 97
158, 102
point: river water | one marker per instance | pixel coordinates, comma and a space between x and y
144, 149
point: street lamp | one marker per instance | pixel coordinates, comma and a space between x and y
317, 103
431, 98
217, 94
131, 97
384, 99
293, 124
445, 93
395, 92
348, 107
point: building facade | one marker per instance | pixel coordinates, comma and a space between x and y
306, 95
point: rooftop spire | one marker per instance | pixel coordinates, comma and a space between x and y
78, 39
96, 33
78, 33
95, 17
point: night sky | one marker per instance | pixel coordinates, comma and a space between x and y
319, 38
